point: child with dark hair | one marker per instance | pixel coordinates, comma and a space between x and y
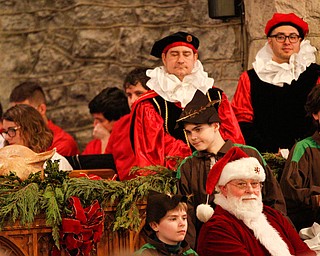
106, 108
166, 226
300, 180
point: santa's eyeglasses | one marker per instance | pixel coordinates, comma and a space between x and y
245, 185
11, 132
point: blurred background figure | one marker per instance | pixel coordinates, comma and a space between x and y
106, 108
135, 84
23, 125
32, 94
119, 145
300, 180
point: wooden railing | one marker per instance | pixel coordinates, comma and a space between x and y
36, 239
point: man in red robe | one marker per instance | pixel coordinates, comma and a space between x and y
119, 144
241, 224
173, 85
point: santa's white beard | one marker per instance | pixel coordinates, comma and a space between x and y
250, 212
242, 209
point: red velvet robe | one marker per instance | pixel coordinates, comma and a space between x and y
151, 143
93, 147
224, 235
120, 147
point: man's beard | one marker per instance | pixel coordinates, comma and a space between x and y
250, 212
243, 209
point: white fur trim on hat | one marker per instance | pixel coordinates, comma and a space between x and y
243, 168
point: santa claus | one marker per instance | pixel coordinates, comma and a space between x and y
241, 224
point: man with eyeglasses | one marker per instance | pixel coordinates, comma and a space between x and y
269, 100
241, 224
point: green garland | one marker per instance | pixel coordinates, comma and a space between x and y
276, 163
24, 200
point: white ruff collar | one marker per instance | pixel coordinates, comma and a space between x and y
274, 73
267, 235
169, 87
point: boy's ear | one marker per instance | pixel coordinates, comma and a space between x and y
154, 226
215, 125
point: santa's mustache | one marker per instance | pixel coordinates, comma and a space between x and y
249, 197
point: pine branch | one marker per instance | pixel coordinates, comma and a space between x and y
136, 190
52, 201
88, 190
275, 162
21, 204
23, 200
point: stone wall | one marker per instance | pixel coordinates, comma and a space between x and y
76, 48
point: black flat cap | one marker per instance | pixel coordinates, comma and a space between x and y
183, 37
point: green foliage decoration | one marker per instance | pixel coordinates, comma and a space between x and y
276, 163
24, 200
21, 204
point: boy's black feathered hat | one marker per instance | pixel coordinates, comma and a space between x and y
200, 110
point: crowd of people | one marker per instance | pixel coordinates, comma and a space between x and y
228, 201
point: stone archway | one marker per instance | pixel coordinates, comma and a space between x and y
8, 248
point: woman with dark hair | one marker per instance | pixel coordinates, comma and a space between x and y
24, 125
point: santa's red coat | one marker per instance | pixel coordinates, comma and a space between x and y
224, 234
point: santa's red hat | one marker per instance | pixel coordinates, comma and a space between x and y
235, 164
282, 19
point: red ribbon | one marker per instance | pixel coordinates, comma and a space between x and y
90, 176
79, 234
